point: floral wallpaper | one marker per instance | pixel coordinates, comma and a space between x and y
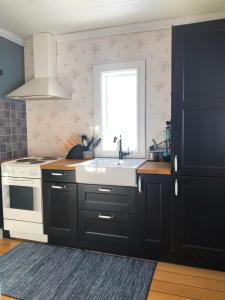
50, 123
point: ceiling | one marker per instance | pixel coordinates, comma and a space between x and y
24, 17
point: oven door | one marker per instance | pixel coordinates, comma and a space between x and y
22, 199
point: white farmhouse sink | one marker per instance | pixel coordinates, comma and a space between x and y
109, 171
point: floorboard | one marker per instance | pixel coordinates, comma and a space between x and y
190, 280
185, 270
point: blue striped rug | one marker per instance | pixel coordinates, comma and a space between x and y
46, 272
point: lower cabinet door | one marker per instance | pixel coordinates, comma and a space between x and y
199, 218
153, 215
60, 209
107, 227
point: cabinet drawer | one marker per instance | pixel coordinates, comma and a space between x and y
107, 198
107, 227
58, 176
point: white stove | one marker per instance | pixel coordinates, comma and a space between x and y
28, 167
22, 197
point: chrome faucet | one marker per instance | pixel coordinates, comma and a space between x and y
122, 154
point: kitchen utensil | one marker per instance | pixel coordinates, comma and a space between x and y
153, 156
84, 142
154, 142
152, 148
90, 143
95, 145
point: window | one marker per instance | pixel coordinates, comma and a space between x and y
120, 107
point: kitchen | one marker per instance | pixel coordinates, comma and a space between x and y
92, 166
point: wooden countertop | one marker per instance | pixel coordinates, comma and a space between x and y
149, 167
62, 164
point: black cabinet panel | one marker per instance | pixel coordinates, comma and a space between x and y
199, 217
59, 176
153, 214
109, 198
203, 140
60, 209
107, 227
198, 99
205, 64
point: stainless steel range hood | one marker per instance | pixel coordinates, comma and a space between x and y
44, 85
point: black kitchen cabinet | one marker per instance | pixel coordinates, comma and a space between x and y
199, 220
11, 66
198, 99
198, 144
107, 216
154, 215
60, 205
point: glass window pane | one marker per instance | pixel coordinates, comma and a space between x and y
119, 108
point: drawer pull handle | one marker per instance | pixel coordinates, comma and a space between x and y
58, 187
57, 174
105, 190
176, 187
106, 217
139, 185
175, 163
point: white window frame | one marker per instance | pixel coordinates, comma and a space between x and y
97, 70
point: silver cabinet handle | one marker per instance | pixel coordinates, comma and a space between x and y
57, 187
104, 190
57, 174
175, 163
107, 217
139, 185
176, 187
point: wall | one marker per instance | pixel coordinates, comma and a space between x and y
13, 129
50, 123
13, 137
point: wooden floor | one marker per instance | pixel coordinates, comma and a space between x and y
171, 282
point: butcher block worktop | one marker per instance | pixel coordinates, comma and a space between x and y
148, 167
161, 168
62, 164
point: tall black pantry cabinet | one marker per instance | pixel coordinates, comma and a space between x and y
198, 143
